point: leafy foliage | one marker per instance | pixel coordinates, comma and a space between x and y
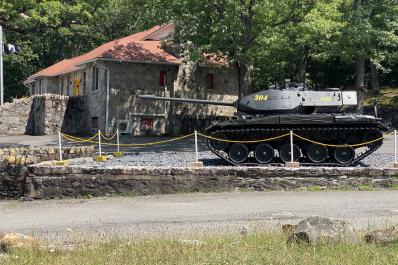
264, 40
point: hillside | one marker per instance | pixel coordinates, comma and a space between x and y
387, 97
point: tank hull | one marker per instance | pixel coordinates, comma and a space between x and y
320, 139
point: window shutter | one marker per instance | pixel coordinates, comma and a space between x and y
162, 78
210, 81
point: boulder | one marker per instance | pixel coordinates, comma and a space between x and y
382, 236
14, 240
317, 229
288, 229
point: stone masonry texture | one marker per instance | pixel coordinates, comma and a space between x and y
14, 174
43, 115
47, 181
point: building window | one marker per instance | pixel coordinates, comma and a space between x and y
40, 86
94, 123
162, 78
95, 78
84, 82
146, 124
210, 81
106, 78
67, 86
61, 80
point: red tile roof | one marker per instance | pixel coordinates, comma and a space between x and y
131, 48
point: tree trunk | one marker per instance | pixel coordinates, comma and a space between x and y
374, 78
243, 67
360, 73
243, 72
360, 82
303, 64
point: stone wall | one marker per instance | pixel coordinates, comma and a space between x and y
14, 162
33, 155
14, 116
46, 181
43, 115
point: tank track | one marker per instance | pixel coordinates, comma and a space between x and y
248, 134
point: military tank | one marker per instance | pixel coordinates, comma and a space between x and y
326, 134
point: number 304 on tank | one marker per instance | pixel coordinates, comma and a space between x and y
261, 97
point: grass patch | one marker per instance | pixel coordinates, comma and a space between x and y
393, 186
316, 188
366, 187
254, 248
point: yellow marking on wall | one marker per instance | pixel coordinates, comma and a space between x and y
76, 86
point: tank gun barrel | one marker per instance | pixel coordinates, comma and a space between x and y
196, 101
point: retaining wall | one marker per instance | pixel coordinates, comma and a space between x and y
14, 162
44, 114
47, 181
14, 116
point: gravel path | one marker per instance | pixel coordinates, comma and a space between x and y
181, 159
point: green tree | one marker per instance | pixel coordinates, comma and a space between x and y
370, 35
313, 32
47, 31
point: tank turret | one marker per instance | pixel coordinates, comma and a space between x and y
280, 101
322, 137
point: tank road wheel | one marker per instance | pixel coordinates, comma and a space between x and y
317, 153
264, 153
238, 153
284, 153
219, 145
344, 155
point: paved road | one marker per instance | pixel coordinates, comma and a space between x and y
185, 213
183, 146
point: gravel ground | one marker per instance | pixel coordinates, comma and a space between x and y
181, 159
378, 160
158, 159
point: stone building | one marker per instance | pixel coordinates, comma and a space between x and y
110, 78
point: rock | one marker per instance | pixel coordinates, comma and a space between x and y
288, 229
11, 159
317, 229
13, 240
12, 152
382, 236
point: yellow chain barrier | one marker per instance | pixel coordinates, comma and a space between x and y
90, 140
337, 146
77, 140
243, 142
80, 140
108, 138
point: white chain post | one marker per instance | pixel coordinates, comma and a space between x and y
118, 142
60, 146
99, 142
196, 146
395, 148
291, 146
